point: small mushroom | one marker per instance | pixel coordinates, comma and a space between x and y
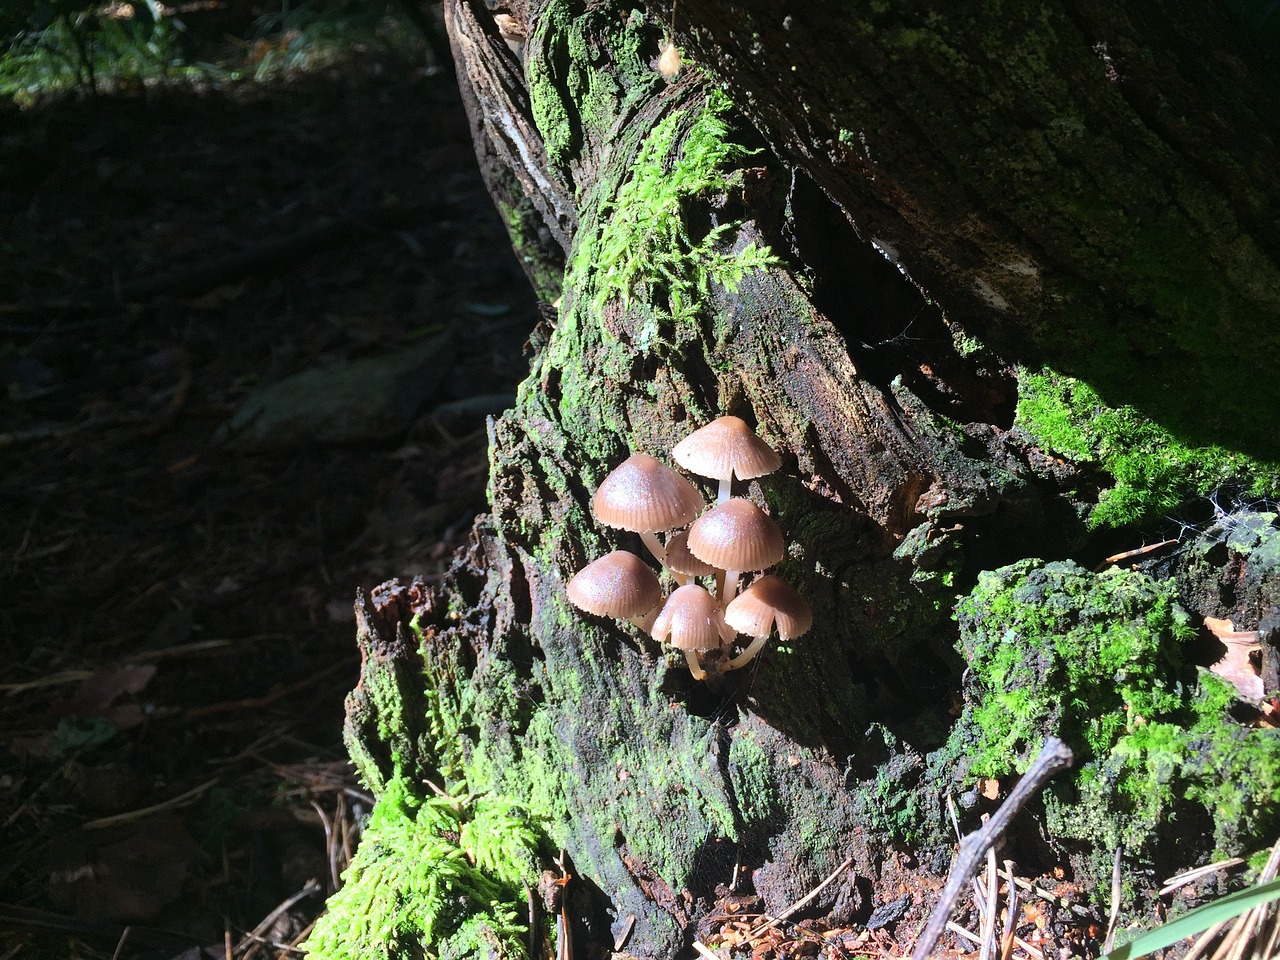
691, 620
683, 564
724, 449
645, 496
735, 536
619, 584
769, 602
669, 62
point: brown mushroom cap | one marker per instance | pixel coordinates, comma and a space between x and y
723, 447
691, 620
680, 560
645, 496
619, 584
736, 535
769, 602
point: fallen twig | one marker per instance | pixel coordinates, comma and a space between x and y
1117, 557
1116, 888
256, 936
1054, 757
1190, 876
992, 907
799, 904
1011, 915
180, 800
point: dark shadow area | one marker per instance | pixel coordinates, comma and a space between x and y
890, 327
178, 625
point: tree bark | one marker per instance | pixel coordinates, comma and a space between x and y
950, 198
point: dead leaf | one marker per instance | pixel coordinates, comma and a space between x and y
1222, 629
125, 875
1236, 665
95, 696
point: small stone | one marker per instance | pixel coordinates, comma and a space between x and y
360, 401
887, 913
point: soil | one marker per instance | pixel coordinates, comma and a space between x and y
176, 632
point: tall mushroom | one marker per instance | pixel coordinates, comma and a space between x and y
619, 584
692, 621
645, 496
767, 603
724, 449
735, 536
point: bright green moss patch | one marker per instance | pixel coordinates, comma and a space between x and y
645, 244
1094, 658
440, 873
1053, 647
1153, 471
444, 872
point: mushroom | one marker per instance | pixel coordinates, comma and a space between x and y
724, 449
767, 603
735, 536
645, 496
683, 564
619, 584
691, 620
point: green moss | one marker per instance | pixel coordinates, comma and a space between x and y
887, 803
441, 873
446, 873
754, 782
644, 245
1153, 471
582, 72
1053, 641
523, 225
1094, 658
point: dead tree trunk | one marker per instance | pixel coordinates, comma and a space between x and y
860, 230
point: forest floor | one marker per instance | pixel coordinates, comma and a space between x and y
176, 630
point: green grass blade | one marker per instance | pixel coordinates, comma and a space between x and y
1197, 921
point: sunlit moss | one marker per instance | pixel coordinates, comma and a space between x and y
1094, 658
443, 874
644, 242
1153, 471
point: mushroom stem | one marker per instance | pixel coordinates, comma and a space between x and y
730, 587
747, 655
726, 488
695, 668
655, 547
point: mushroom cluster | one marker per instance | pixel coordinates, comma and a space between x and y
733, 537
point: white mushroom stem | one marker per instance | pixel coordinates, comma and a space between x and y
655, 547
695, 667
726, 487
747, 655
730, 587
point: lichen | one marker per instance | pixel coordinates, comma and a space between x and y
1095, 659
1153, 472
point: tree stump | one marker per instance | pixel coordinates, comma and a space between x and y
983, 279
